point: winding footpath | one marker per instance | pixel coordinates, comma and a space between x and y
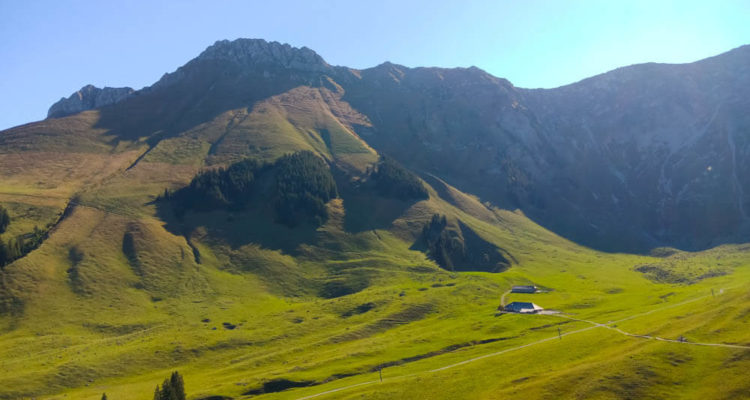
609, 325
502, 299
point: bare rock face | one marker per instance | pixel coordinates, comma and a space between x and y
640, 157
249, 56
260, 52
88, 98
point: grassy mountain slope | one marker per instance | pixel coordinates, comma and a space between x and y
121, 292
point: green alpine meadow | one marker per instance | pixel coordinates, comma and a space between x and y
261, 224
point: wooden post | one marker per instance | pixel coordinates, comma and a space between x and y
559, 333
380, 370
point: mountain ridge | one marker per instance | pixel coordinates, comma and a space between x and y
282, 233
524, 138
88, 98
233, 50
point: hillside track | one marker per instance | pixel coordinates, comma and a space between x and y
502, 299
608, 325
612, 325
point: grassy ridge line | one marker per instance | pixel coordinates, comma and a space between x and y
595, 325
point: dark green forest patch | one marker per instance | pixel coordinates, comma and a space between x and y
297, 186
459, 248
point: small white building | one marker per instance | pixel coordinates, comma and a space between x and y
523, 307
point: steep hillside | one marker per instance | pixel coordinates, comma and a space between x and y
641, 157
275, 227
665, 148
636, 158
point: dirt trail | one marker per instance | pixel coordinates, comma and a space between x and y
502, 299
608, 325
612, 327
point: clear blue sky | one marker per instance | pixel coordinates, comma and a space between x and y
49, 49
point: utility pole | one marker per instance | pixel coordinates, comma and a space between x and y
559, 333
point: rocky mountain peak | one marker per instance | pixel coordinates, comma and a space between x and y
260, 52
249, 55
87, 98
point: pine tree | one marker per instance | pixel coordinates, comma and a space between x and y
4, 219
4, 256
166, 391
178, 386
104, 396
173, 388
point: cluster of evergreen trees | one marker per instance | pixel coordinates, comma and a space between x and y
19, 246
393, 180
303, 185
11, 250
220, 188
15, 248
300, 185
443, 245
173, 388
460, 248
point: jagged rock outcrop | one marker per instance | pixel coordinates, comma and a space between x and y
259, 52
251, 55
88, 98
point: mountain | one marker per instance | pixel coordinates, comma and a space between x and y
617, 162
641, 157
660, 148
274, 226
87, 98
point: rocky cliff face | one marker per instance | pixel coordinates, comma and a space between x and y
658, 152
249, 56
87, 98
261, 52
643, 156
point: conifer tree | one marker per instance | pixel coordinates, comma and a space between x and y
104, 396
178, 386
166, 391
3, 253
173, 388
4, 219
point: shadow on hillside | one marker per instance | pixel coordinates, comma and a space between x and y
195, 95
237, 228
459, 248
366, 211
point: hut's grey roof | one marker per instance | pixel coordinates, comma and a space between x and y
520, 306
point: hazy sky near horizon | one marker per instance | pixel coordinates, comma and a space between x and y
50, 49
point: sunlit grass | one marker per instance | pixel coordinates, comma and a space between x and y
253, 310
